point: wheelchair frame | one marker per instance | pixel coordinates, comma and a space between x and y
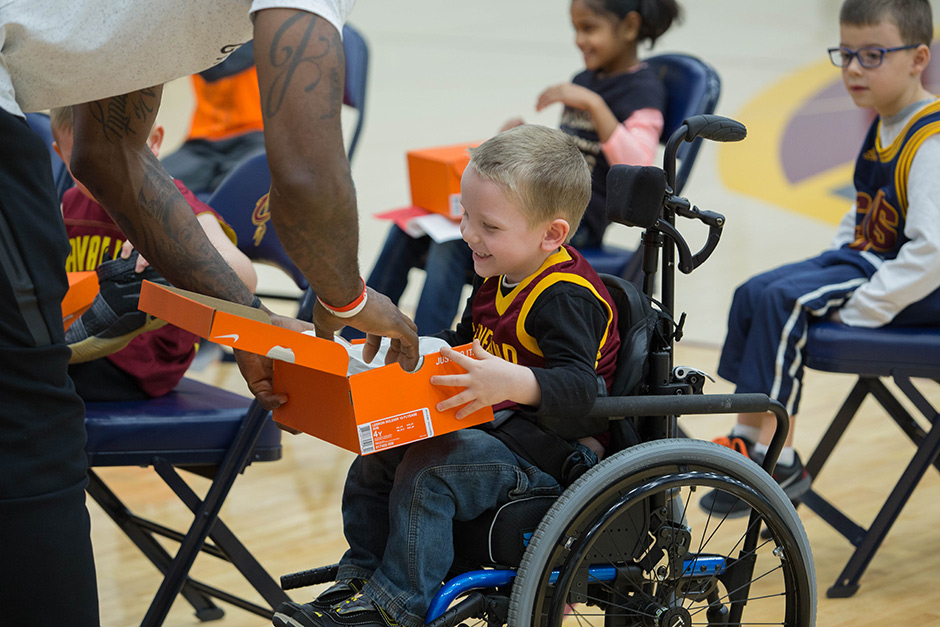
619, 503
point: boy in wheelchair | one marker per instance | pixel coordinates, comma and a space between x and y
545, 338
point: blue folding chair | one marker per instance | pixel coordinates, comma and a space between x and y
357, 73
692, 88
204, 430
872, 354
242, 200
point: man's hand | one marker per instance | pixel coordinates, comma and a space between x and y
489, 380
258, 370
379, 318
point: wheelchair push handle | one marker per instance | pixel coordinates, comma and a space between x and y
643, 196
637, 196
707, 126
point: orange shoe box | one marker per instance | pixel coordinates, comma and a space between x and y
435, 174
83, 287
363, 413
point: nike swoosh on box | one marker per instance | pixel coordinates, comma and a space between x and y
233, 336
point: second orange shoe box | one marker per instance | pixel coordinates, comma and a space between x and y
434, 175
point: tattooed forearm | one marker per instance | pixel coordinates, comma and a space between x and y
124, 116
145, 104
296, 54
163, 227
114, 121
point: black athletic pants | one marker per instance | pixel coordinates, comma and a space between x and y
47, 572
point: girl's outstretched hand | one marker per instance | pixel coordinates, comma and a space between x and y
569, 94
489, 380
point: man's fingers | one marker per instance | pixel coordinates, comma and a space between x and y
258, 374
408, 353
266, 396
371, 348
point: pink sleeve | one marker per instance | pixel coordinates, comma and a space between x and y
636, 140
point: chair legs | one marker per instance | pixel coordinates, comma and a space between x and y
206, 524
141, 532
867, 541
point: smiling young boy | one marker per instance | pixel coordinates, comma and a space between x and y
882, 266
544, 332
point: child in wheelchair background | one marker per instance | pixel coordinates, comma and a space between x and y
545, 338
882, 266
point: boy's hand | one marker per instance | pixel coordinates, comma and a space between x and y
568, 94
126, 250
489, 380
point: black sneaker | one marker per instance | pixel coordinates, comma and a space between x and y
113, 319
337, 593
794, 480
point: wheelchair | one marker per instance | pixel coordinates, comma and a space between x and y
626, 544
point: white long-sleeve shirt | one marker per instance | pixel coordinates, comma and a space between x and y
915, 272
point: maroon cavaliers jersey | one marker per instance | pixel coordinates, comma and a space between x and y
499, 320
157, 360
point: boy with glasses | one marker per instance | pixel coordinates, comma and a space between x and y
881, 268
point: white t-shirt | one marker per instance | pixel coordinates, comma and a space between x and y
61, 52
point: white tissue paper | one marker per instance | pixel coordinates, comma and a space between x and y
426, 346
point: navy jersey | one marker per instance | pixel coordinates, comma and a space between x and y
503, 320
881, 174
624, 94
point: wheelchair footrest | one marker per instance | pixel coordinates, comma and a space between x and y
304, 578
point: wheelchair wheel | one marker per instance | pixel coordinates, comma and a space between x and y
627, 544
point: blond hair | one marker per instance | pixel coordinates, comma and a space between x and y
540, 170
61, 121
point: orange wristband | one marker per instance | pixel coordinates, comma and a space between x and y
350, 310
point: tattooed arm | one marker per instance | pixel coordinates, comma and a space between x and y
301, 67
112, 159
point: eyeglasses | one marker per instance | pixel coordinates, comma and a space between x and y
868, 57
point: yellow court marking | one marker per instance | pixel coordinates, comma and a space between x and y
753, 167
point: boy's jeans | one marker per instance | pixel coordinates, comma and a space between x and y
399, 506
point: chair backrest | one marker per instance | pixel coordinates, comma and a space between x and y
692, 88
39, 123
357, 73
242, 199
